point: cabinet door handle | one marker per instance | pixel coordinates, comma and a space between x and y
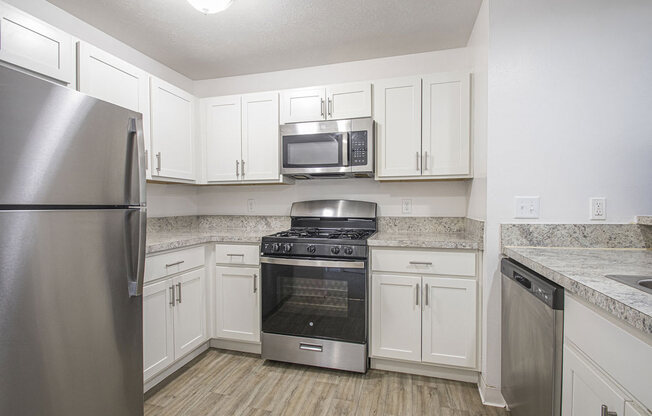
172, 295
146, 159
418, 159
322, 107
179, 292
330, 107
237, 168
427, 294
255, 283
158, 161
242, 168
417, 291
175, 263
425, 161
605, 411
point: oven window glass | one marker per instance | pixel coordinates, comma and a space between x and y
314, 302
315, 150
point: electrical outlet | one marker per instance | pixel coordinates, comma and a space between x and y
251, 205
407, 206
598, 209
526, 207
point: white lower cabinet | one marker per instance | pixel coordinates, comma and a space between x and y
237, 303
174, 320
420, 318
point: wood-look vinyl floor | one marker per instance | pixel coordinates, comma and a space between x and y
221, 382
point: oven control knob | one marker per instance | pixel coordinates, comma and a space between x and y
287, 247
276, 247
335, 250
311, 249
348, 250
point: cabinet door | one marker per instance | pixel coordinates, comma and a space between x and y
34, 45
110, 79
449, 321
172, 131
221, 121
189, 312
237, 304
349, 101
158, 328
260, 136
306, 104
397, 111
585, 390
446, 124
396, 316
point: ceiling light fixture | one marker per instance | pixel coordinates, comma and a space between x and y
210, 6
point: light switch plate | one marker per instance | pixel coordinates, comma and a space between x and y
526, 207
407, 206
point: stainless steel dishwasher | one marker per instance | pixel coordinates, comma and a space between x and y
532, 332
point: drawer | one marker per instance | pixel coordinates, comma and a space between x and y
161, 265
445, 262
237, 254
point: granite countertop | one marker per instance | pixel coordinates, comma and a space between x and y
426, 240
161, 241
582, 272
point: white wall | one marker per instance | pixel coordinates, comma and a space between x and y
165, 200
428, 198
396, 66
53, 15
570, 100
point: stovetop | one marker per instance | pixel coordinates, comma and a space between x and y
320, 233
318, 242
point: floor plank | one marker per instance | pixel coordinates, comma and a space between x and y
231, 383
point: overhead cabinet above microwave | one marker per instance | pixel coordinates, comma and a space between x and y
334, 102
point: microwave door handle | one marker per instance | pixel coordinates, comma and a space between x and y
345, 149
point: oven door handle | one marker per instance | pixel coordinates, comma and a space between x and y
343, 264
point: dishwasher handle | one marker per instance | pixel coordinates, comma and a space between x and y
535, 284
522, 280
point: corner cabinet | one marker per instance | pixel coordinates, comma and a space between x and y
424, 306
108, 78
423, 127
334, 102
172, 132
241, 138
34, 45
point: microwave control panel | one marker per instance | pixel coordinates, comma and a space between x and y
358, 148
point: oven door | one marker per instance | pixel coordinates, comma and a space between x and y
323, 299
315, 148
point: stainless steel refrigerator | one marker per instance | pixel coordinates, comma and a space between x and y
72, 252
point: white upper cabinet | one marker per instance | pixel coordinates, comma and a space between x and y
34, 45
397, 112
260, 137
108, 78
221, 128
334, 102
446, 124
396, 317
305, 104
348, 101
172, 132
449, 321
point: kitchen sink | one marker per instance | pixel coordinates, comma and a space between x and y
643, 283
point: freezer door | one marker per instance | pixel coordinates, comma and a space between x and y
62, 147
70, 313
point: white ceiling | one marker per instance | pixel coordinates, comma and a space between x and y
268, 35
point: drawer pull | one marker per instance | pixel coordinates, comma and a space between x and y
311, 347
236, 255
176, 263
421, 263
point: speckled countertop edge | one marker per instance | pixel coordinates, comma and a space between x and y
628, 304
425, 240
158, 242
644, 220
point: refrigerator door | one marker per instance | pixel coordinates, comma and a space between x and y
70, 315
62, 147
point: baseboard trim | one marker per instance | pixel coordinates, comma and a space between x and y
226, 344
490, 395
175, 367
428, 370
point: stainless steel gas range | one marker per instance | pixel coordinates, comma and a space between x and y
315, 286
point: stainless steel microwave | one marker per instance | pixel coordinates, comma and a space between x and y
328, 149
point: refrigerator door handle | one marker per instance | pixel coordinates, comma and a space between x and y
136, 277
136, 140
